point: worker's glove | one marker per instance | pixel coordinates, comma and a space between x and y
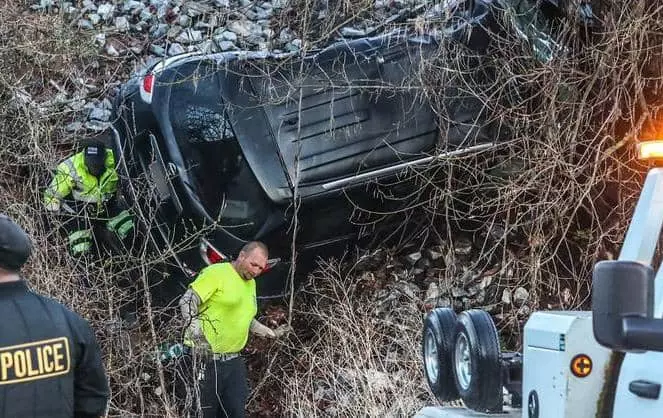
195, 334
265, 331
282, 331
195, 330
52, 207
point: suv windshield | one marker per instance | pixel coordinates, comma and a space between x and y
221, 176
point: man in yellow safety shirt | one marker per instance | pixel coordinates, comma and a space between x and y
220, 306
85, 187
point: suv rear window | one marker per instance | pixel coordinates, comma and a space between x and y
539, 24
224, 181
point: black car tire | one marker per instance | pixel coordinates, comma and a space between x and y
436, 349
476, 361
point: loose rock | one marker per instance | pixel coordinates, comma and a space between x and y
520, 296
413, 258
121, 23
105, 11
462, 246
226, 46
85, 24
241, 28
433, 292
434, 253
409, 289
175, 49
458, 292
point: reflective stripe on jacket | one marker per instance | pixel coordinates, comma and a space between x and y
72, 178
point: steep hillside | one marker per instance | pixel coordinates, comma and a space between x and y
510, 231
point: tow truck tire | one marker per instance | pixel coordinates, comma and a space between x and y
436, 348
476, 361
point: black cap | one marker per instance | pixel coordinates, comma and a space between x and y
94, 155
15, 246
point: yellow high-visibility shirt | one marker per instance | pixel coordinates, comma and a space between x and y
228, 304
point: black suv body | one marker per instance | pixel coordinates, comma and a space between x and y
239, 142
236, 144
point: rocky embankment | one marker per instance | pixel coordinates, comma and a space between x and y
140, 32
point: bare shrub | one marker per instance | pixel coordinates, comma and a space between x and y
351, 355
554, 198
46, 69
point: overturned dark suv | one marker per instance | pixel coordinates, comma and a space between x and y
234, 144
237, 146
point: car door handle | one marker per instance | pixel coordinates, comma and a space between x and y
645, 389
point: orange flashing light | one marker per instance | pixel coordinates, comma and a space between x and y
650, 150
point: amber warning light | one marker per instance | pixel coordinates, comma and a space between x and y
650, 150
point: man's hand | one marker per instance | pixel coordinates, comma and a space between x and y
53, 206
195, 330
282, 331
265, 331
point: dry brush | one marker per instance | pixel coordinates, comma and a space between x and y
554, 198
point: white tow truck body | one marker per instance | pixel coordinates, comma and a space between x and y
556, 344
639, 245
564, 368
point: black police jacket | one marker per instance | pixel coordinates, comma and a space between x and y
50, 363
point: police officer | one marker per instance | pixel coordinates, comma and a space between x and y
220, 306
50, 364
87, 182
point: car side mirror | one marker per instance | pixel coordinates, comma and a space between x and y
623, 305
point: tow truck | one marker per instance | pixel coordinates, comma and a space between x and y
603, 363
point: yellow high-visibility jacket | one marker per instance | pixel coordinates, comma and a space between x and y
72, 177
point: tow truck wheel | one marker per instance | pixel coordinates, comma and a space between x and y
439, 328
476, 362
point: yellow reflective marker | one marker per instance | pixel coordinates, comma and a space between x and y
581, 365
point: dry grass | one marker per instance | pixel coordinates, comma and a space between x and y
558, 195
543, 208
46, 66
351, 356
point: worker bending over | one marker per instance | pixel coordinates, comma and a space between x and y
220, 308
85, 187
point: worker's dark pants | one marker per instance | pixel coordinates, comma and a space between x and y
82, 227
222, 387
